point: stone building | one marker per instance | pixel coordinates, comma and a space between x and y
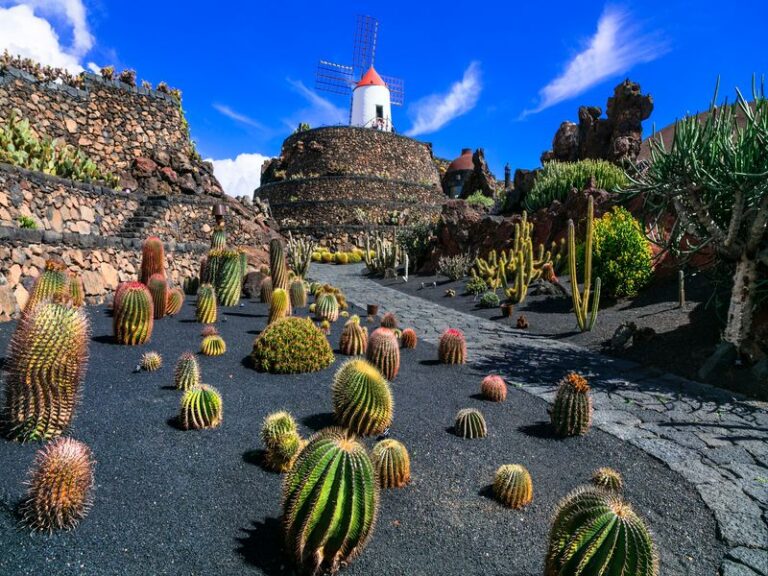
457, 174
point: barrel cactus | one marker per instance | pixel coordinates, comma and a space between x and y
265, 290
384, 352
280, 307
228, 280
470, 423
609, 479
60, 484
206, 304
362, 400
392, 463
493, 388
327, 308
158, 288
298, 292
151, 361
330, 502
175, 301
134, 315
281, 440
201, 407
571, 413
596, 532
278, 268
291, 346
389, 320
46, 364
187, 372
354, 338
213, 344
512, 486
219, 239
52, 282
408, 338
452, 347
76, 289
152, 259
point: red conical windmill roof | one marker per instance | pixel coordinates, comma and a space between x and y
371, 78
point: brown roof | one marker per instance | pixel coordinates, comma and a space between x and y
463, 162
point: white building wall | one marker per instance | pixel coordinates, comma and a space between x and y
364, 102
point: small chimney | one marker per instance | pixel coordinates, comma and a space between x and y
465, 151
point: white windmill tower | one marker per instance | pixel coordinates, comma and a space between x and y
373, 95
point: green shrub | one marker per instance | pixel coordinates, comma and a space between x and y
415, 241
291, 346
476, 285
455, 267
27, 222
489, 300
558, 178
481, 200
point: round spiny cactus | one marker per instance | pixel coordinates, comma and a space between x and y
325, 327
201, 407
265, 290
76, 289
384, 352
452, 348
362, 400
134, 315
595, 532
389, 320
45, 363
158, 288
152, 259
206, 304
298, 294
187, 372
470, 424
53, 282
493, 388
408, 338
60, 484
229, 279
327, 308
281, 439
392, 463
151, 361
280, 306
330, 502
608, 478
512, 486
571, 413
354, 338
213, 344
291, 346
278, 268
175, 301
312, 308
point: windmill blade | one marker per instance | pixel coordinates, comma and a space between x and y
396, 89
334, 78
364, 49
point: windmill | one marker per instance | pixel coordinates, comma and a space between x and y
372, 94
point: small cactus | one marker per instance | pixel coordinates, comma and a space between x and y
384, 352
327, 308
493, 388
60, 484
265, 290
152, 259
512, 486
325, 327
470, 424
158, 288
201, 407
389, 320
76, 289
282, 441
609, 479
522, 322
133, 318
206, 304
53, 282
312, 308
175, 301
280, 307
452, 348
362, 400
392, 463
354, 338
151, 361
213, 344
571, 413
298, 293
408, 338
187, 372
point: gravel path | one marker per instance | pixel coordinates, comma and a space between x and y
717, 442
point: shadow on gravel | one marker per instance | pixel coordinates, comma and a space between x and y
245, 315
262, 547
174, 423
487, 492
105, 339
255, 458
540, 429
319, 421
429, 362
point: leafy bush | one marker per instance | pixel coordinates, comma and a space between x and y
27, 222
415, 241
476, 285
291, 346
481, 200
455, 267
558, 178
489, 300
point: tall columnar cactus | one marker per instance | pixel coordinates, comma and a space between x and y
278, 268
327, 308
384, 352
571, 413
206, 304
280, 307
452, 347
158, 288
354, 338
362, 400
219, 239
60, 484
53, 282
392, 463
300, 255
330, 502
152, 259
265, 290
470, 423
229, 280
585, 303
201, 407
76, 289
389, 320
408, 338
298, 292
213, 344
493, 388
608, 479
596, 532
133, 317
187, 372
45, 364
512, 486
281, 440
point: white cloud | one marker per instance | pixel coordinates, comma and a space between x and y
615, 48
93, 67
238, 117
321, 112
71, 13
434, 111
241, 176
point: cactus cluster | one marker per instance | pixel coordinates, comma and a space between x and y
452, 347
362, 400
205, 312
151, 361
281, 440
512, 486
53, 283
392, 463
300, 255
291, 346
384, 352
212, 344
187, 372
298, 293
152, 259
278, 268
133, 314
608, 479
493, 388
571, 413
158, 288
265, 290
470, 423
280, 306
175, 301
408, 338
354, 338
585, 303
382, 257
201, 407
327, 307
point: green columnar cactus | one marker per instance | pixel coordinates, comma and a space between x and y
243, 261
175, 301
187, 372
362, 400
609, 479
280, 307
282, 441
493, 388
152, 259
354, 338
219, 239
389, 320
595, 532
60, 484
265, 290
330, 502
201, 407
213, 344
206, 304
53, 282
584, 307
45, 365
408, 338
571, 413
133, 314
158, 288
452, 347
278, 269
392, 463
470, 423
512, 486
327, 308
76, 289
300, 255
298, 294
229, 280
151, 361
384, 352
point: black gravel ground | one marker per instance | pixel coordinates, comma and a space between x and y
177, 503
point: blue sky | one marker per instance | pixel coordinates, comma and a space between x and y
499, 75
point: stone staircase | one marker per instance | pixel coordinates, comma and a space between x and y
152, 208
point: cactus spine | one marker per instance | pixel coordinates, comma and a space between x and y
282, 441
393, 465
158, 288
265, 290
584, 307
53, 282
608, 479
280, 307
384, 352
206, 304
452, 347
408, 338
493, 388
327, 307
572, 411
152, 259
354, 338
201, 407
470, 423
278, 269
298, 294
187, 372
512, 486
362, 400
133, 315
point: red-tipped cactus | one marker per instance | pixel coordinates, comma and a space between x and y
53, 282
354, 338
152, 259
389, 320
175, 301
493, 388
133, 315
571, 412
408, 338
384, 352
452, 348
158, 288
